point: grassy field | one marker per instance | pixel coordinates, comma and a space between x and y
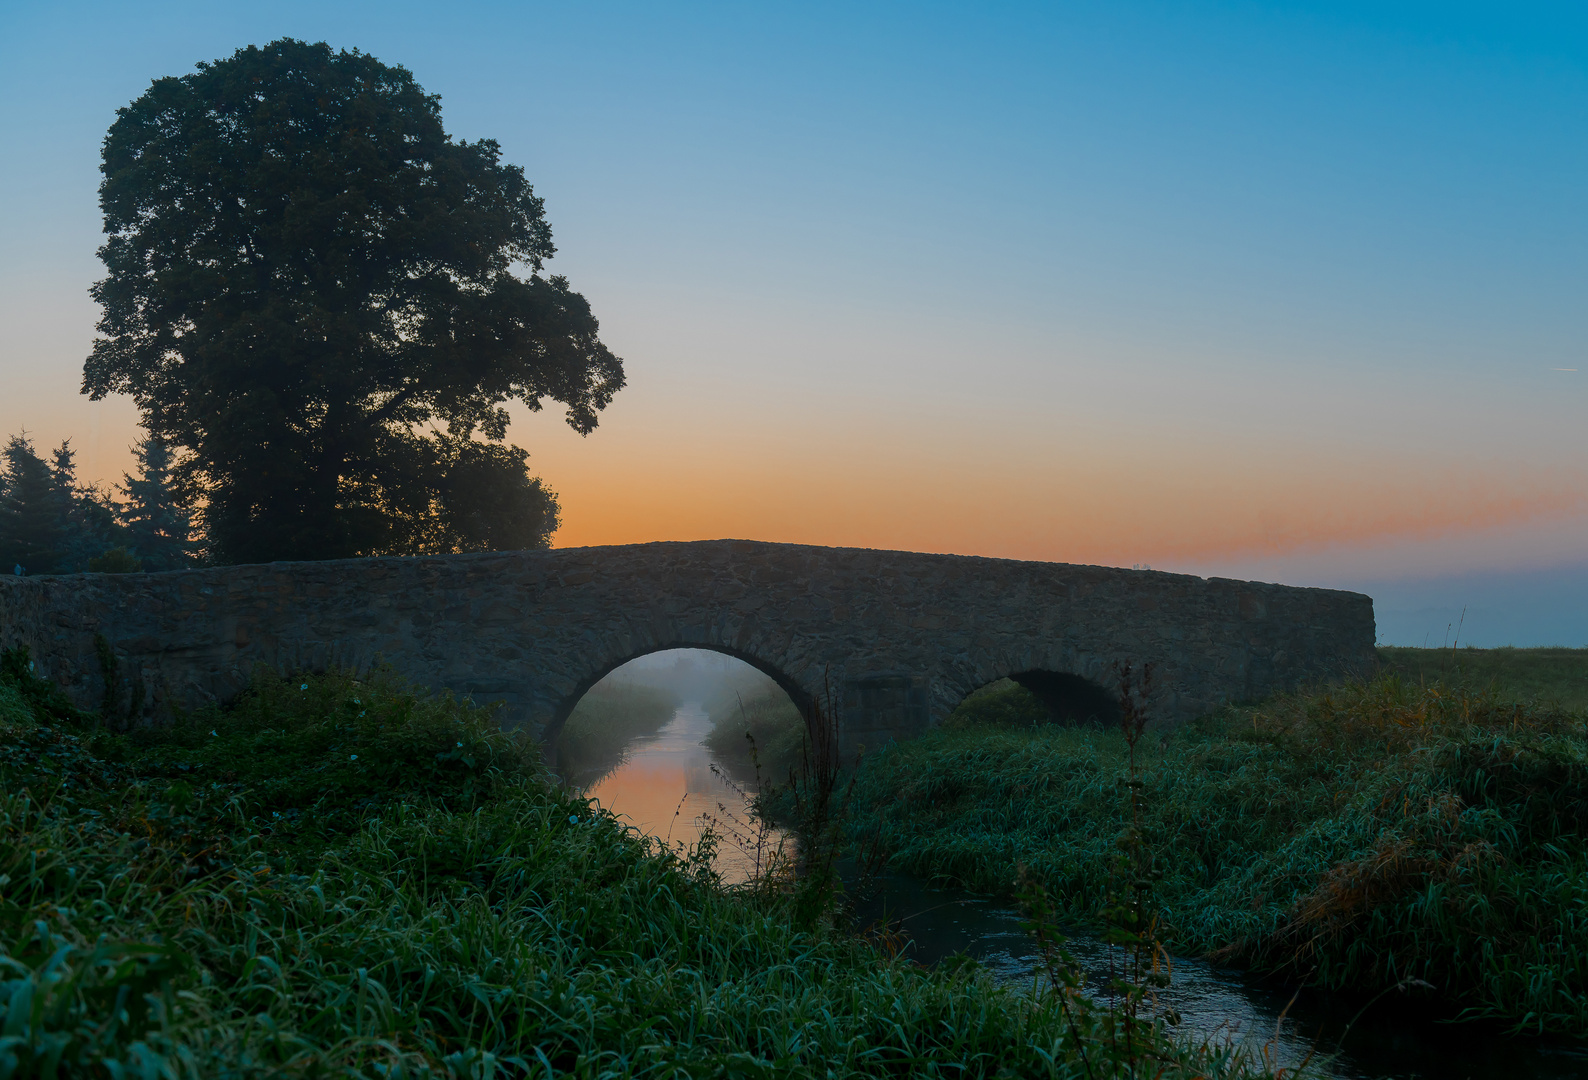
345, 878
1549, 676
1362, 837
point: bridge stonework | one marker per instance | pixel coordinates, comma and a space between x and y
892, 640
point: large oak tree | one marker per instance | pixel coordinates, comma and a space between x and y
324, 302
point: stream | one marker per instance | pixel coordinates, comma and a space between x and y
667, 786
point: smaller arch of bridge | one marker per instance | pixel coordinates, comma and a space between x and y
1071, 698
1068, 699
1075, 687
801, 698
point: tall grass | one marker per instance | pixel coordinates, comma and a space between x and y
762, 732
609, 717
342, 877
1360, 837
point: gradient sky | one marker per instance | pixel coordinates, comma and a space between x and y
1294, 292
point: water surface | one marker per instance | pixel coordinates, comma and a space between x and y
669, 787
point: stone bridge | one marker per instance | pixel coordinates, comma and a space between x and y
891, 640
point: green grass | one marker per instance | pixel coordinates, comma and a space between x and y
1004, 703
610, 716
1550, 676
762, 731
350, 878
1355, 837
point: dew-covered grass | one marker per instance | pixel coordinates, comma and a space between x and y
342, 877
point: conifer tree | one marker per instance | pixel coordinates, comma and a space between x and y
157, 516
32, 517
50, 523
88, 515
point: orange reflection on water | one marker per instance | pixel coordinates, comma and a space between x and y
667, 788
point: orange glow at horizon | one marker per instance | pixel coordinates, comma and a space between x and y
676, 467
1169, 506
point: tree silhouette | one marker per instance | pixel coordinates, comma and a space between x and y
315, 295
32, 519
49, 523
156, 515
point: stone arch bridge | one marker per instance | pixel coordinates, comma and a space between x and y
892, 640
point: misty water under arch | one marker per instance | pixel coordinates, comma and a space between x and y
678, 741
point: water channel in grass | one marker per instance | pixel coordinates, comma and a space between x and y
667, 787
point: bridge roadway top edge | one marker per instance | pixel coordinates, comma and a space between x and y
740, 547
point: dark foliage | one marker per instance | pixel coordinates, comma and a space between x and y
467, 495
32, 519
90, 522
347, 878
118, 560
306, 275
49, 523
1366, 837
157, 515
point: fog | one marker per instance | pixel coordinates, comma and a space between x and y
693, 675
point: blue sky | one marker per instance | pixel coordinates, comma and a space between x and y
1290, 291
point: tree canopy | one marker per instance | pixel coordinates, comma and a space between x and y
322, 301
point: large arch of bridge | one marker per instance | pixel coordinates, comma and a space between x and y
801, 697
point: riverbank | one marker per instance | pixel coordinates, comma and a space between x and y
610, 716
1404, 833
335, 877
